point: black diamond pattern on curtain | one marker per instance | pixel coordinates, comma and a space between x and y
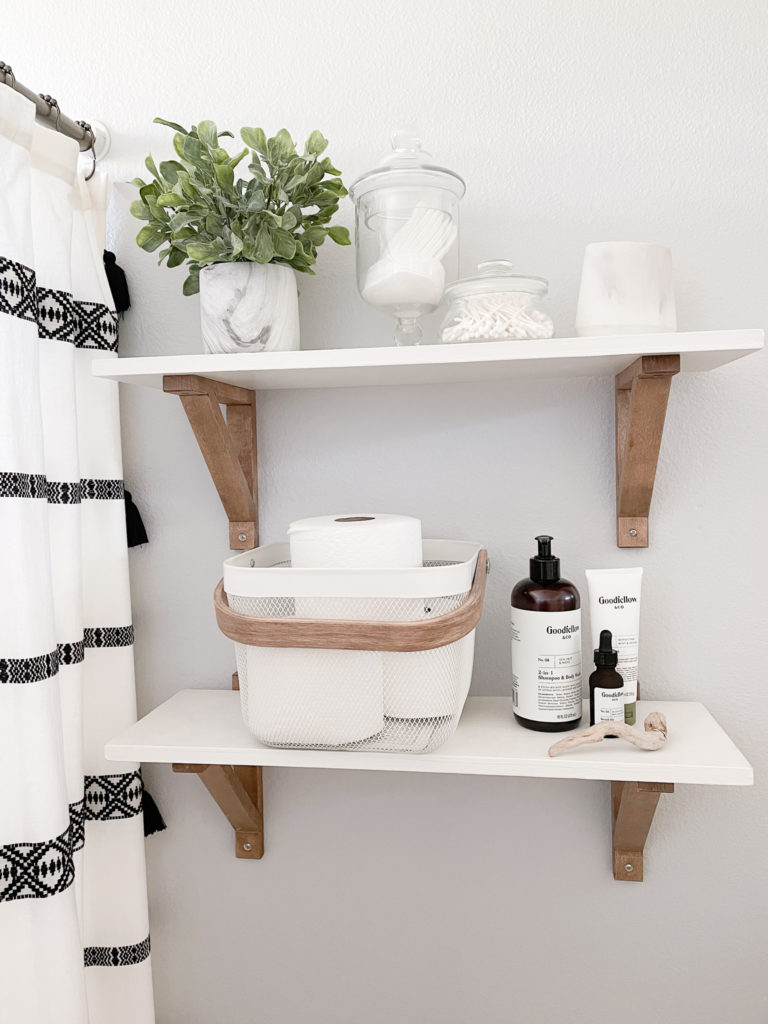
97, 326
116, 956
108, 797
56, 315
17, 290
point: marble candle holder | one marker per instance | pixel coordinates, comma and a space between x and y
249, 307
626, 288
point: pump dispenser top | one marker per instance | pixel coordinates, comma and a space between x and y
545, 567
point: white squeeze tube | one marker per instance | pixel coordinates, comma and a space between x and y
614, 603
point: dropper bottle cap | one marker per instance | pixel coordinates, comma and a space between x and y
605, 656
545, 567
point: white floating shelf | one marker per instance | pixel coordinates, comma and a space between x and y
205, 727
438, 364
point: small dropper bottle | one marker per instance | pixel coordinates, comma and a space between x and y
607, 693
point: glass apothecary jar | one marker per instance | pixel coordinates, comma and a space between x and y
496, 305
406, 234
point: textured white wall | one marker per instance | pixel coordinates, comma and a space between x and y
446, 900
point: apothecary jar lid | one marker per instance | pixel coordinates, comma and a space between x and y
407, 166
496, 276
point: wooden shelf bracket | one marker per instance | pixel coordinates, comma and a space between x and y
642, 392
633, 805
228, 446
238, 790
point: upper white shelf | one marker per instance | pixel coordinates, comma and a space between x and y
438, 364
206, 727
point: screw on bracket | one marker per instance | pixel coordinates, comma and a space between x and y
628, 868
241, 536
633, 533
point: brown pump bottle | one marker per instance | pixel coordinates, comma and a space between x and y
546, 646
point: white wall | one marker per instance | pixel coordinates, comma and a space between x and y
445, 900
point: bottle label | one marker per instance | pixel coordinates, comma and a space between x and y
546, 665
609, 704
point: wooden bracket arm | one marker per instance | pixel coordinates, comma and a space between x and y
633, 805
228, 446
239, 793
642, 392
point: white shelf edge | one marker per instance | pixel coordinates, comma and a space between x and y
435, 364
205, 727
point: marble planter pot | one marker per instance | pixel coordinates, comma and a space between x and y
249, 307
626, 288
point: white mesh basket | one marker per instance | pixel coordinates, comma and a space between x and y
354, 659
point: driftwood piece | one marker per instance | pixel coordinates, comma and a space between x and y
652, 737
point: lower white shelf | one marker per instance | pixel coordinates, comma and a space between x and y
205, 727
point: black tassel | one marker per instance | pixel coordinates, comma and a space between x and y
117, 283
134, 525
153, 819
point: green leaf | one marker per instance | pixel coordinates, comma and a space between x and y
149, 163
225, 176
158, 213
284, 243
192, 283
335, 188
237, 244
180, 220
315, 174
328, 167
170, 124
201, 251
235, 160
315, 234
138, 182
176, 257
289, 219
254, 138
170, 170
281, 145
170, 199
150, 238
140, 210
207, 133
263, 248
339, 235
192, 150
316, 143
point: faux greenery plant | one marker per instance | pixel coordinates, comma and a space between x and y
201, 213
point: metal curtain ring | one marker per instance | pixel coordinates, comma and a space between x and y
7, 71
89, 130
53, 105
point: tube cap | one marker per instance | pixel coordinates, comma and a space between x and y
605, 656
545, 568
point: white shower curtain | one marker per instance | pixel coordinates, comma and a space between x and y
74, 936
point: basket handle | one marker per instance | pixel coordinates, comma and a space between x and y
356, 634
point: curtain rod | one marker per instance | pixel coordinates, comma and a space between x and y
48, 107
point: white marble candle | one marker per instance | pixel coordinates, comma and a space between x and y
249, 307
626, 288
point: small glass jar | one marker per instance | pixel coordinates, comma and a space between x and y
406, 234
496, 305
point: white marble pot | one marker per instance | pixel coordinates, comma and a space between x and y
626, 288
249, 307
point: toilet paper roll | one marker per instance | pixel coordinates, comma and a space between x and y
307, 697
352, 542
356, 542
